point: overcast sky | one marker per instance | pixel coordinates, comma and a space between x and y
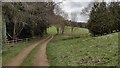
71, 6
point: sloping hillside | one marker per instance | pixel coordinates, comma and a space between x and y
86, 50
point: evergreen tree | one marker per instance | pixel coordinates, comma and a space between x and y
96, 23
104, 18
114, 15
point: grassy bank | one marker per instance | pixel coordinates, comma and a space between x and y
86, 50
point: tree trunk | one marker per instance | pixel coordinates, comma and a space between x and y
4, 37
46, 31
14, 32
62, 29
57, 30
72, 29
1, 34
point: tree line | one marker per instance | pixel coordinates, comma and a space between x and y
26, 20
104, 18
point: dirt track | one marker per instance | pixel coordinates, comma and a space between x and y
40, 60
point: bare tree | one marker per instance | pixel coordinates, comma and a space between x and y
73, 18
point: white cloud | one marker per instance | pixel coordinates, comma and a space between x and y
71, 6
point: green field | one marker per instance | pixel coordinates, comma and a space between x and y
82, 51
52, 30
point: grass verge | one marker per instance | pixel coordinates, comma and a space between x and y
10, 52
